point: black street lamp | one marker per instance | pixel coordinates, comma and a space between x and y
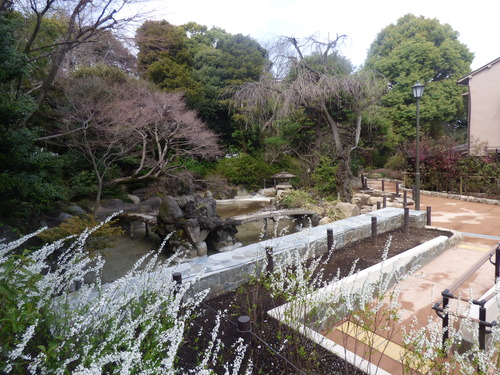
418, 91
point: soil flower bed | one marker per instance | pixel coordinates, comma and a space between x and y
275, 348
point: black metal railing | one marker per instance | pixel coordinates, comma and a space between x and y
442, 307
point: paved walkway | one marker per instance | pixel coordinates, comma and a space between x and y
480, 225
479, 222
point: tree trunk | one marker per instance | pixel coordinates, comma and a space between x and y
97, 203
54, 68
344, 177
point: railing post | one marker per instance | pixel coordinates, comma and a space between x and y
429, 220
244, 326
397, 189
177, 278
270, 260
364, 183
329, 239
482, 325
378, 205
384, 201
406, 221
405, 199
497, 262
383, 185
374, 229
446, 301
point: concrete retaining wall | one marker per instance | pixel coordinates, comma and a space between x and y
227, 271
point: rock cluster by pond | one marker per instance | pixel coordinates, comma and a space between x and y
194, 226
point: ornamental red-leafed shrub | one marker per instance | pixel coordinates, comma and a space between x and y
438, 163
444, 168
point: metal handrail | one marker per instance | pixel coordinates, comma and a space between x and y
447, 294
466, 275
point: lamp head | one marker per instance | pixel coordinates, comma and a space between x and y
418, 90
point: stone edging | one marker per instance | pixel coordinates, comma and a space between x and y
468, 198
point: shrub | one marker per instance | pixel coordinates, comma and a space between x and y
134, 325
83, 184
30, 179
98, 240
396, 163
244, 170
325, 177
480, 174
295, 199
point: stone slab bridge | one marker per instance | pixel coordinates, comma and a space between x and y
302, 217
129, 218
273, 215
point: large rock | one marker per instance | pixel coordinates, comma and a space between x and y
194, 232
134, 198
76, 210
242, 192
63, 216
201, 249
170, 211
360, 199
374, 200
325, 220
206, 207
268, 192
184, 200
151, 205
344, 210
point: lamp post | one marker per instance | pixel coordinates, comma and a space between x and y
418, 91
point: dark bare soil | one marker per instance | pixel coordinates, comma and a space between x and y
276, 349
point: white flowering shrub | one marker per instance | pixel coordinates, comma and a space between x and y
132, 326
372, 313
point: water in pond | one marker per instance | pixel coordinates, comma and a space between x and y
253, 232
234, 207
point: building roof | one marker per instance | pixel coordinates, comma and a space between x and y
465, 79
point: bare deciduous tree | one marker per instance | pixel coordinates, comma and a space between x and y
329, 94
107, 121
90, 129
167, 129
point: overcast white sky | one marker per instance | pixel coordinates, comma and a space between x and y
361, 20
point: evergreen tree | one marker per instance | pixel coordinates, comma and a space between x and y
418, 49
201, 63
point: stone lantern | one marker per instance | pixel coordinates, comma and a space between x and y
282, 180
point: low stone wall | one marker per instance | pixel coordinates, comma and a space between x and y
227, 271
